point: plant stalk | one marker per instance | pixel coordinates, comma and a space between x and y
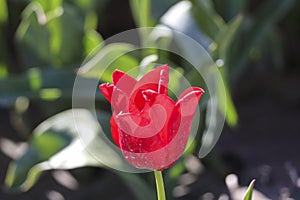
161, 195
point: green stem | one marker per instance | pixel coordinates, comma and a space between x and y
160, 185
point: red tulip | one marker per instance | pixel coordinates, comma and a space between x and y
147, 125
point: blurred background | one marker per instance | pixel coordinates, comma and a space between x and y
255, 45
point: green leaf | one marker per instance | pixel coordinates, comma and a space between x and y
70, 139
3, 43
92, 39
230, 8
49, 5
141, 10
254, 30
41, 84
248, 195
208, 20
3, 12
181, 13
66, 36
225, 37
221, 33
49, 138
30, 32
109, 58
226, 107
58, 30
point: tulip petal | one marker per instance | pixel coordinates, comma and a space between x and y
114, 130
123, 81
157, 115
157, 78
143, 126
188, 101
189, 90
107, 90
149, 128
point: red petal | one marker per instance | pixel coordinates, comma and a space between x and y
189, 90
178, 130
153, 119
145, 125
123, 81
159, 77
107, 90
188, 101
114, 130
156, 80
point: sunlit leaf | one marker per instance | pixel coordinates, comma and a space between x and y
230, 8
49, 5
254, 30
248, 195
179, 17
111, 57
42, 84
3, 11
66, 37
225, 37
30, 32
68, 140
53, 28
206, 17
141, 10
91, 40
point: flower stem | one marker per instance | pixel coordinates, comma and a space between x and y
160, 185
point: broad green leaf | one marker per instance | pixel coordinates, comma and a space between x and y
66, 35
49, 5
3, 46
41, 84
160, 7
230, 8
160, 37
225, 37
70, 139
110, 57
3, 69
92, 39
248, 195
58, 31
202, 72
141, 10
254, 30
180, 18
55, 135
3, 12
206, 17
30, 32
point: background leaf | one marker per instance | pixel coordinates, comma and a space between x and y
57, 144
248, 195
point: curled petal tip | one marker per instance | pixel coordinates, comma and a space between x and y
199, 91
188, 100
107, 90
117, 74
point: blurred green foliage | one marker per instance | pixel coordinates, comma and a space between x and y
39, 59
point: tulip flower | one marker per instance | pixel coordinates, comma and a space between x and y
147, 125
